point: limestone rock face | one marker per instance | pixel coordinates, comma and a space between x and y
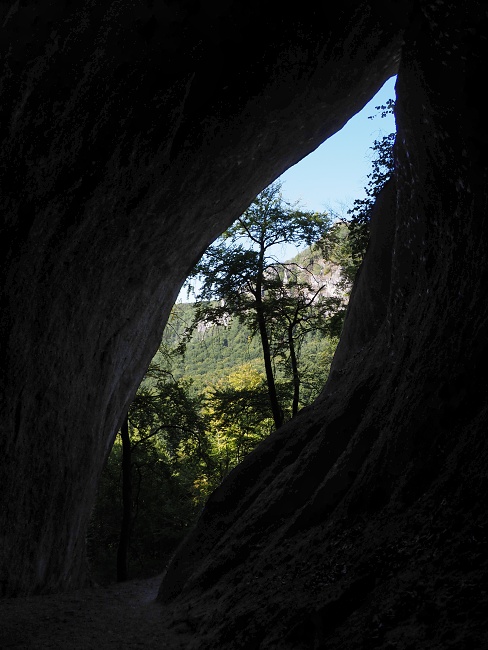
132, 135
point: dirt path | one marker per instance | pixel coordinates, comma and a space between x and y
102, 618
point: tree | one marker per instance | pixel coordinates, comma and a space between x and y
126, 524
239, 273
296, 306
360, 213
158, 474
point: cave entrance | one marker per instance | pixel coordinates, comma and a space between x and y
198, 413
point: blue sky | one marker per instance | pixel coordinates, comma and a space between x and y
335, 174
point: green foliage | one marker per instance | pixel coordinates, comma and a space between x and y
280, 302
194, 418
239, 416
171, 466
316, 359
360, 213
212, 352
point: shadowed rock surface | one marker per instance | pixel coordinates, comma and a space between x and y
131, 137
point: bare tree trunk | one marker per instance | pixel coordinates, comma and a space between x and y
263, 332
294, 369
126, 525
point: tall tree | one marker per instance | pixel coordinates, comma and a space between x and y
296, 306
160, 471
238, 274
126, 524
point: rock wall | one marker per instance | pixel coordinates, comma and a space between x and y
132, 134
361, 523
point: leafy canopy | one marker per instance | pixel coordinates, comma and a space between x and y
242, 263
241, 277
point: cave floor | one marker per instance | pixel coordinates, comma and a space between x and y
115, 617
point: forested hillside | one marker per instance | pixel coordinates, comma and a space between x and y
212, 352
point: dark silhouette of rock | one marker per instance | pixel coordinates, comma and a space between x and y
131, 137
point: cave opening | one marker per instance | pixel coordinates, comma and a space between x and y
203, 403
115, 204
132, 136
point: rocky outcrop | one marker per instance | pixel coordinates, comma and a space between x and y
132, 136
